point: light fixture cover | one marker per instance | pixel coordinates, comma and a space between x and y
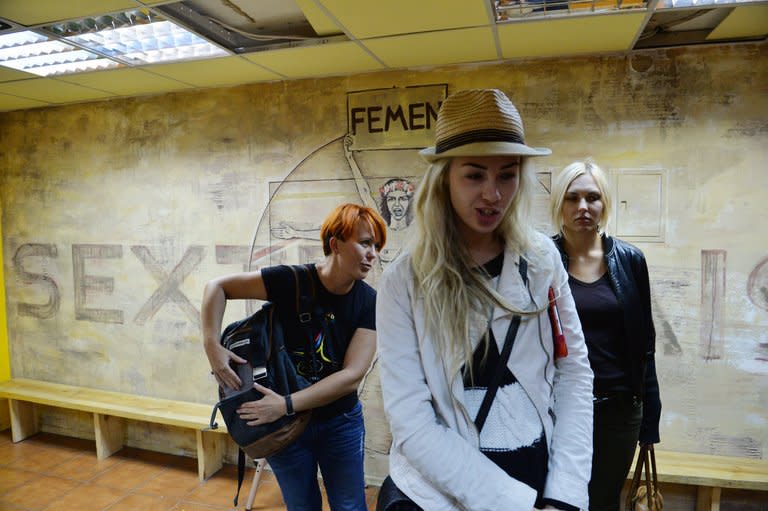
44, 56
136, 37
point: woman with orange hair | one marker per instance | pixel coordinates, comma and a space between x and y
344, 346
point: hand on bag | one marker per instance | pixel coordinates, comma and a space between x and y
267, 409
220, 366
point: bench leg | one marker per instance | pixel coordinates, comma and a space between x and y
5, 414
708, 499
23, 419
210, 453
110, 434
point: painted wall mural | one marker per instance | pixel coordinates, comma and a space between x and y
116, 213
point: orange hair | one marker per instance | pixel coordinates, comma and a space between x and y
342, 222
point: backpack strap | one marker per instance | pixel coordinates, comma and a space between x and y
305, 292
305, 303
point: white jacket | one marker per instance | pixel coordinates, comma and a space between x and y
435, 457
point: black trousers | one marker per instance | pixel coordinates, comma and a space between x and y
616, 431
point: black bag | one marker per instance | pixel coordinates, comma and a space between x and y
259, 339
391, 498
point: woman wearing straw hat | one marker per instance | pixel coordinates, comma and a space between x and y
609, 280
482, 415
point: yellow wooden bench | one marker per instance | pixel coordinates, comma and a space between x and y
110, 410
710, 473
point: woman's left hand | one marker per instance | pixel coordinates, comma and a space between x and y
267, 409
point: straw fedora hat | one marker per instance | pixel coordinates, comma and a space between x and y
479, 122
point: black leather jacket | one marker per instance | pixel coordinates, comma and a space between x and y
628, 274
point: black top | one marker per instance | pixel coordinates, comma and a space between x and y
513, 435
331, 329
603, 325
628, 274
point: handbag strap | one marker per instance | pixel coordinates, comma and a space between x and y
651, 479
498, 374
646, 460
635, 478
653, 466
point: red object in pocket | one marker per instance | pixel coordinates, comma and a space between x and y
561, 349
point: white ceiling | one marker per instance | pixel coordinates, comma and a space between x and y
341, 37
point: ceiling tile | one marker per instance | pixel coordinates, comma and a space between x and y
320, 60
35, 12
50, 90
369, 18
216, 72
125, 82
7, 74
435, 48
570, 36
744, 21
320, 22
16, 103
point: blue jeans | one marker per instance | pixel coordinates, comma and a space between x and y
336, 446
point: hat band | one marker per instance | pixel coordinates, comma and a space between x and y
488, 135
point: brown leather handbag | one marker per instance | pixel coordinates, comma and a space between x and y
645, 495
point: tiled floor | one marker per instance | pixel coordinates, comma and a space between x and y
53, 473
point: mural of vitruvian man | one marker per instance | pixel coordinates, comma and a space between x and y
298, 204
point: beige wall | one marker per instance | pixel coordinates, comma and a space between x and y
116, 213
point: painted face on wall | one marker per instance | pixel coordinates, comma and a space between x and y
481, 190
357, 254
397, 204
582, 205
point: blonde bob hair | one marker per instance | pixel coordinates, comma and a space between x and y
563, 181
445, 275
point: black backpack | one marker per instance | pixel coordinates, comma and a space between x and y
259, 339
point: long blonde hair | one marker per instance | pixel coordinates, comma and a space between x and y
445, 276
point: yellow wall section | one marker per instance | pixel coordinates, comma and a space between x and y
5, 357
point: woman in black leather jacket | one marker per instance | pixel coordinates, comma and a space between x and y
609, 281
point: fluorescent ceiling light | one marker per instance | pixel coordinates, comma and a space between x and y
510, 9
38, 54
103, 42
700, 3
137, 37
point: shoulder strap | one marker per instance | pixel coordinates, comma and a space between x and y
522, 266
305, 301
490, 393
509, 340
305, 292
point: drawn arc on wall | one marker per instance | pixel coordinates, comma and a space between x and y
265, 213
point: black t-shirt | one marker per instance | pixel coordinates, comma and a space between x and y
335, 318
603, 323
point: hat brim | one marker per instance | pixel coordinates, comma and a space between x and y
485, 149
